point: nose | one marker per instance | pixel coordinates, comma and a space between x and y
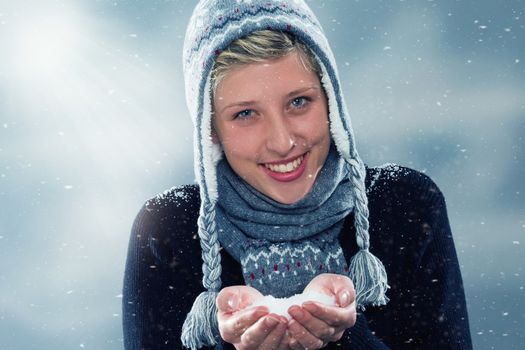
280, 138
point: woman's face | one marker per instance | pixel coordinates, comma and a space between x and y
271, 120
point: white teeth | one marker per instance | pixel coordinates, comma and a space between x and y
285, 168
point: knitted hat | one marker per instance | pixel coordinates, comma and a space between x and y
212, 27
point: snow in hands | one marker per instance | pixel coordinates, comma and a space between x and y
280, 306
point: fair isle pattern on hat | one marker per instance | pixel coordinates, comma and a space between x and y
212, 27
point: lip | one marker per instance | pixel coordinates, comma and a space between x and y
286, 161
290, 176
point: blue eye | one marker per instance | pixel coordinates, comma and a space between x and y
247, 113
299, 102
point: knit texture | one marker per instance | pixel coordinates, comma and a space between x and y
212, 27
281, 247
409, 232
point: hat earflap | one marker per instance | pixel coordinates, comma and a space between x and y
366, 270
200, 327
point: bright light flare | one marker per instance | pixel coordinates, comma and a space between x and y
42, 46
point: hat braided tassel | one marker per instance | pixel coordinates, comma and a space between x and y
366, 270
369, 277
201, 327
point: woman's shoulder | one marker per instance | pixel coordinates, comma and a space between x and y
174, 211
396, 181
178, 198
406, 210
167, 222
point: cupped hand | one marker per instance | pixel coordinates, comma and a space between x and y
314, 324
248, 327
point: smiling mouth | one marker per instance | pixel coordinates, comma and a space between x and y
286, 167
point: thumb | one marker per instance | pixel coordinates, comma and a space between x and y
345, 297
343, 289
235, 298
228, 299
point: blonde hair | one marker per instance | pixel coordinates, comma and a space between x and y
261, 46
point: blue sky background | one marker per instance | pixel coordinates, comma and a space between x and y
93, 122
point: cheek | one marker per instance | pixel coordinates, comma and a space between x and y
323, 127
238, 144
317, 129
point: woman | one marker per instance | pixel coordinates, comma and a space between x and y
282, 189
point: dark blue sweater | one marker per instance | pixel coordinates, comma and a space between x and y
409, 232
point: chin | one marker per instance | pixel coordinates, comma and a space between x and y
287, 200
290, 197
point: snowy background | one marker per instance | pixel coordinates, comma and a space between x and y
93, 122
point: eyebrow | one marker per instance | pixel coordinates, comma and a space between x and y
301, 90
237, 104
249, 103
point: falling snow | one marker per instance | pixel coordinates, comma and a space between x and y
93, 121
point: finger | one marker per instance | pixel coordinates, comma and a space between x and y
339, 318
332, 315
294, 344
274, 338
257, 334
285, 340
317, 327
303, 336
232, 326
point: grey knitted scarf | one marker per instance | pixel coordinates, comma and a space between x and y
282, 247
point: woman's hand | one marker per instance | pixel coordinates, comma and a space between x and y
249, 327
314, 324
